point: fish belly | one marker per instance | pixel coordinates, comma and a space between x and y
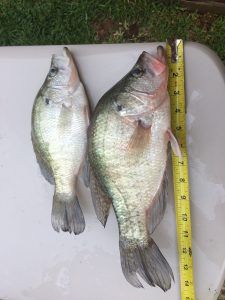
60, 137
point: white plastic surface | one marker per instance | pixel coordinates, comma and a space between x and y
37, 263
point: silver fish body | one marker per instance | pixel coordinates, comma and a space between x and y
60, 118
127, 151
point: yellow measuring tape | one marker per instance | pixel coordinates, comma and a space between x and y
175, 57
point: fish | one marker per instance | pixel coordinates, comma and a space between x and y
128, 141
60, 118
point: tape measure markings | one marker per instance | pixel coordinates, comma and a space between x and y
180, 168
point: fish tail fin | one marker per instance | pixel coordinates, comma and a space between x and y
147, 261
67, 214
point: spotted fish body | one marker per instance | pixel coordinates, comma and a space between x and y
127, 151
59, 136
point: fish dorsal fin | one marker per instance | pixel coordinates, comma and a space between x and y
157, 207
100, 200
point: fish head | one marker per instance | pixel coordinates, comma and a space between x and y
149, 72
63, 72
146, 85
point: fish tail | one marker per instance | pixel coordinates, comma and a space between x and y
67, 214
147, 261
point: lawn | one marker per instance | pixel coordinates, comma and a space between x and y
35, 22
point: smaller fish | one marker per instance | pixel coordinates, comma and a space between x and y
60, 118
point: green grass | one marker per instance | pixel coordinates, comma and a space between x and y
35, 22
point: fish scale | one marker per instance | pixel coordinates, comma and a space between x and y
59, 138
127, 152
59, 135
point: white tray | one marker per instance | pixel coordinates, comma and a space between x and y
39, 264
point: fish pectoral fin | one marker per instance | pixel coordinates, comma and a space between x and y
140, 137
155, 212
174, 143
100, 200
67, 103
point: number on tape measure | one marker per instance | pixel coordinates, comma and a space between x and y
185, 233
184, 217
180, 168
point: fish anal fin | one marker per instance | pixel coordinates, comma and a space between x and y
155, 211
174, 143
100, 200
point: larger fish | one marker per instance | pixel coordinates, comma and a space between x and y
60, 119
127, 151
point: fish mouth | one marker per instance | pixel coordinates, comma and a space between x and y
161, 54
74, 77
154, 65
68, 56
64, 70
66, 62
63, 60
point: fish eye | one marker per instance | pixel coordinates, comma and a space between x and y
53, 71
137, 72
